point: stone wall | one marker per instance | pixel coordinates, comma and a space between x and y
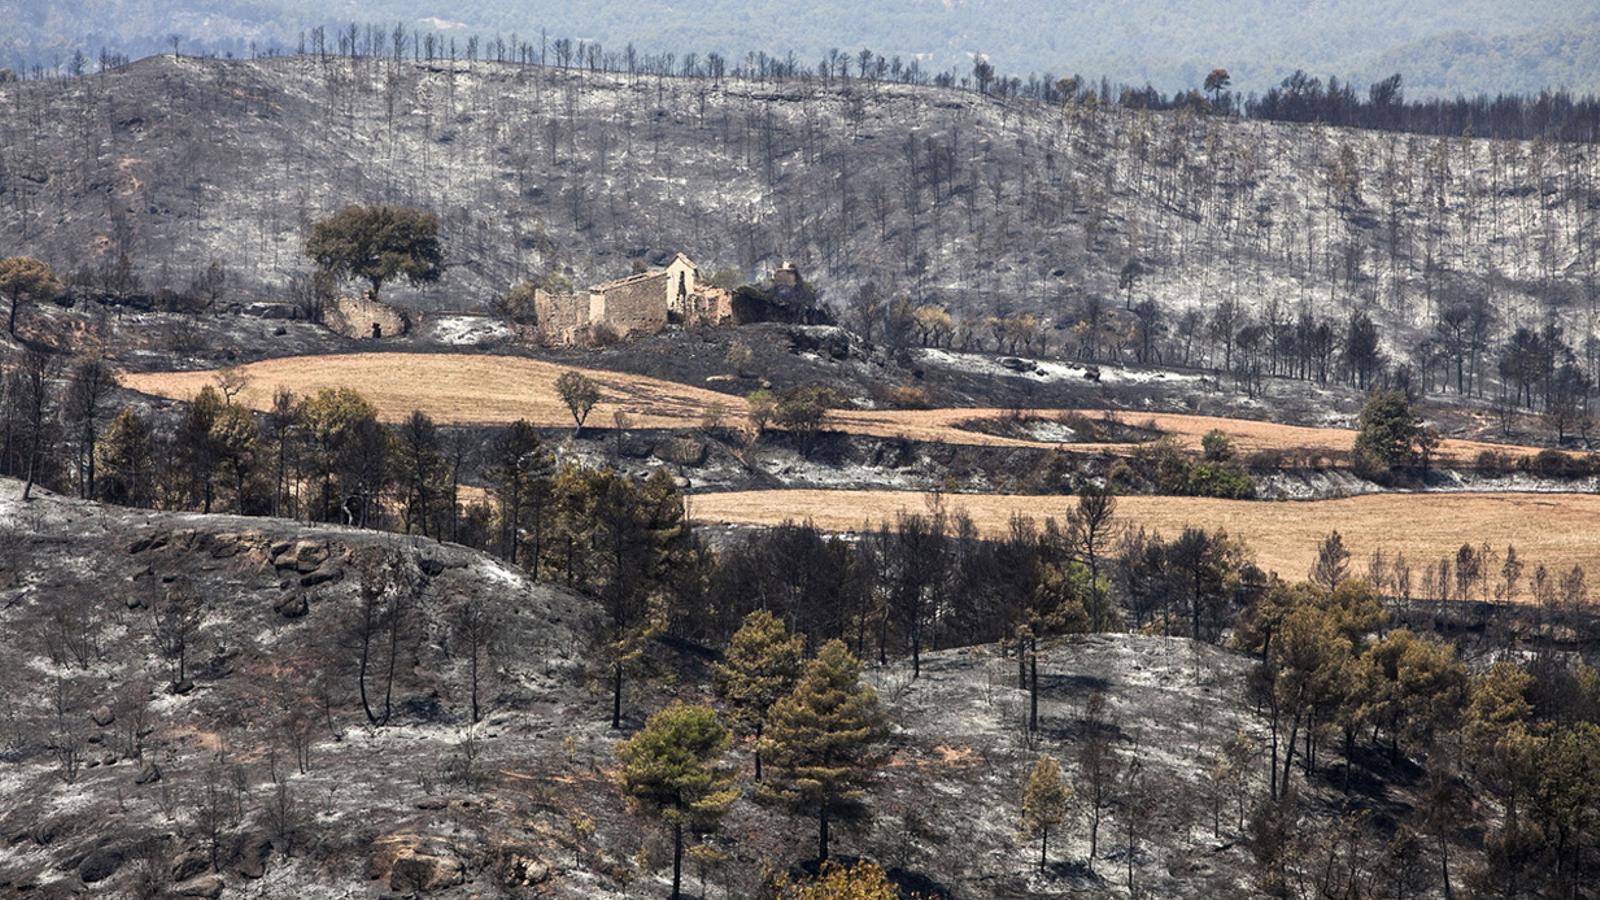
709, 307
562, 318
364, 318
635, 305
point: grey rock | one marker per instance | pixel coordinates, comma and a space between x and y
100, 865
525, 871
252, 853
683, 451
291, 606
424, 873
324, 575
189, 865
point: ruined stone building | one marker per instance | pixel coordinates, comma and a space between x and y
642, 303
364, 317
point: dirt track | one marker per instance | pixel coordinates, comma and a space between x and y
1554, 529
457, 388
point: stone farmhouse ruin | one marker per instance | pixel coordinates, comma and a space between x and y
364, 317
642, 303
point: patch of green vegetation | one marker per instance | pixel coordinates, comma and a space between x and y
1166, 468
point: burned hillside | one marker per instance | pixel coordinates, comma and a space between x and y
985, 205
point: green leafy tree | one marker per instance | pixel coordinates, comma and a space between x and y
580, 394
517, 306
1311, 660
1567, 799
521, 473
820, 738
332, 421
762, 664
82, 408
376, 244
1389, 434
639, 548
25, 277
763, 409
1044, 804
421, 470
1418, 688
1216, 446
1497, 732
801, 411
670, 768
1089, 528
197, 452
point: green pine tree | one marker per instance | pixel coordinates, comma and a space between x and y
762, 664
1044, 803
670, 768
819, 738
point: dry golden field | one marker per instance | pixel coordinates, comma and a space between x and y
458, 388
1558, 530
461, 389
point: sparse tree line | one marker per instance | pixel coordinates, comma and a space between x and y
1523, 371
1555, 113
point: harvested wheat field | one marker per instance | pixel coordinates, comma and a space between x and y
1557, 530
473, 389
1330, 446
455, 388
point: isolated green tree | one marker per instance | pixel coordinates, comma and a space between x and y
1389, 435
801, 411
580, 394
763, 409
25, 277
1216, 446
819, 738
670, 768
762, 664
1044, 803
377, 244
1090, 531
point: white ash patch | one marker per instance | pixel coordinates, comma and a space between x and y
464, 331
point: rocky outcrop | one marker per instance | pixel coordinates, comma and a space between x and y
415, 864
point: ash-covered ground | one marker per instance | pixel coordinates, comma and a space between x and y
115, 782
